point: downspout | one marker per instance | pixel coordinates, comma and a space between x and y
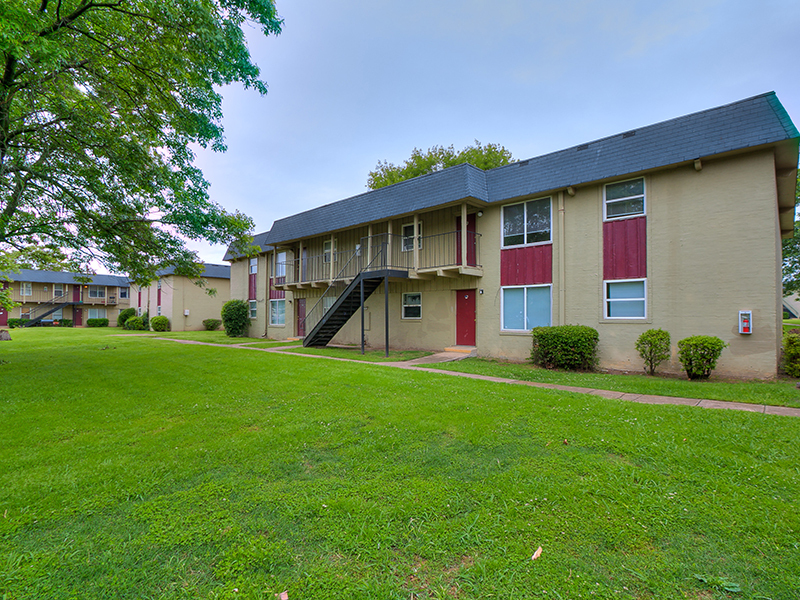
562, 312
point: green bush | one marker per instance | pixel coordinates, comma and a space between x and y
653, 347
565, 347
791, 354
124, 315
235, 318
65, 323
211, 324
135, 324
97, 322
159, 323
12, 323
699, 353
146, 320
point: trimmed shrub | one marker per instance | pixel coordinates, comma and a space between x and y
699, 353
65, 323
12, 323
653, 347
135, 324
97, 322
235, 318
211, 324
159, 323
124, 315
791, 354
565, 347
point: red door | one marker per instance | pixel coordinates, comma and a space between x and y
472, 254
465, 317
3, 317
76, 293
77, 315
301, 315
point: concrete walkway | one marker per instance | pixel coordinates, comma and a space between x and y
419, 364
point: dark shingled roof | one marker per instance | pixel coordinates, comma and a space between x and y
209, 270
259, 240
68, 278
745, 124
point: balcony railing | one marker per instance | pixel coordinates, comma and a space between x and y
384, 251
41, 297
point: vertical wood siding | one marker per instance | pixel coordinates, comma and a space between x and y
529, 265
625, 248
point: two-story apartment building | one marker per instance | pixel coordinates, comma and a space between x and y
55, 296
185, 303
675, 226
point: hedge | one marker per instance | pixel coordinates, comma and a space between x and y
565, 347
97, 322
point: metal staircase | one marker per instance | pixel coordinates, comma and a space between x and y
342, 306
49, 308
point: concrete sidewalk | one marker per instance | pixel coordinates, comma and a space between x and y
420, 364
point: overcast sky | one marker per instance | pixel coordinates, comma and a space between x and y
353, 82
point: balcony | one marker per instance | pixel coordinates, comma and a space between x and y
437, 255
83, 297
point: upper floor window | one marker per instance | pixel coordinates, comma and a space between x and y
527, 223
253, 265
97, 291
124, 292
58, 290
26, 289
408, 237
624, 199
328, 251
280, 265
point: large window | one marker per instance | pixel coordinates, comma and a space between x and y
624, 199
97, 291
408, 237
26, 289
626, 299
253, 309
277, 312
280, 265
328, 251
97, 313
412, 305
58, 290
524, 308
57, 315
527, 223
124, 293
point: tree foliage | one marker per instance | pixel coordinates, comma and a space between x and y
100, 101
436, 159
791, 257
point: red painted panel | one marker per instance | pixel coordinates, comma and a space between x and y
465, 317
625, 248
3, 313
76, 293
273, 293
158, 302
140, 299
251, 287
529, 265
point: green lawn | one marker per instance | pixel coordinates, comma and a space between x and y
368, 356
773, 393
210, 337
137, 468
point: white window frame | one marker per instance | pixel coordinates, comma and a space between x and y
124, 292
58, 290
253, 266
607, 301
606, 201
99, 313
524, 305
280, 264
549, 240
327, 303
405, 305
328, 251
97, 291
57, 315
158, 310
24, 313
253, 308
26, 289
407, 240
273, 313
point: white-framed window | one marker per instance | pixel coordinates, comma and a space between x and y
124, 293
277, 312
159, 284
253, 265
412, 305
97, 313
58, 290
57, 315
158, 310
526, 307
97, 291
408, 237
328, 251
139, 311
527, 223
25, 289
280, 265
253, 309
25, 313
624, 199
327, 303
625, 299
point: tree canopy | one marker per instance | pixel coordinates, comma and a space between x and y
436, 159
100, 101
791, 257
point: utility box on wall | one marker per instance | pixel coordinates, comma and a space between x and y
746, 321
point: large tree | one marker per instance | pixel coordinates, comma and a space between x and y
436, 159
100, 101
791, 256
